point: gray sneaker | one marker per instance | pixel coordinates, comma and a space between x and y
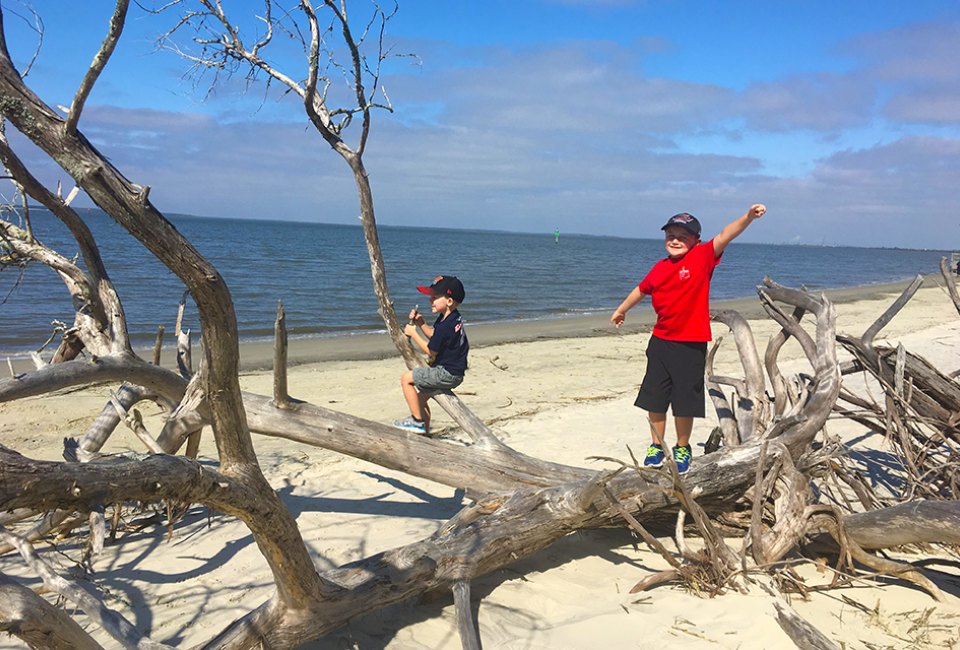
409, 423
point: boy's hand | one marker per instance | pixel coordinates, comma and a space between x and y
410, 329
415, 316
756, 211
618, 318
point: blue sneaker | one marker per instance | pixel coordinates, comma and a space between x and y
654, 456
682, 456
411, 424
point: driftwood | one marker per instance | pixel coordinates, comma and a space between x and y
920, 415
519, 504
915, 522
785, 512
37, 622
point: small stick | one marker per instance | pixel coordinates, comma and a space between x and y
158, 345
280, 396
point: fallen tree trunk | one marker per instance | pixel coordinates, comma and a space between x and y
494, 532
916, 522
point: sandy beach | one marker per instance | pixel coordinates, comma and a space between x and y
560, 390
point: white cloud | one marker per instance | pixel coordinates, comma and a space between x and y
576, 135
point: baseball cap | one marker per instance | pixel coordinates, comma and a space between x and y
686, 221
445, 285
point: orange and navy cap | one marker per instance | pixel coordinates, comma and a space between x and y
445, 285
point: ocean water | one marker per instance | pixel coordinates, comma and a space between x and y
321, 274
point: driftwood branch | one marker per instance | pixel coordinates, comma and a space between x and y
97, 66
280, 395
950, 281
38, 623
866, 340
84, 598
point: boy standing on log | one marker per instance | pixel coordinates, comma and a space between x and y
446, 347
679, 288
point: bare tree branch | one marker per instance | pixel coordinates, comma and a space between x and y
99, 62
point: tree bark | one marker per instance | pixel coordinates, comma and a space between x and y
916, 522
38, 623
272, 525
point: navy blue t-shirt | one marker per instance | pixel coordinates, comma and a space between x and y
449, 341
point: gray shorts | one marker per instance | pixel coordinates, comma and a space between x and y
434, 379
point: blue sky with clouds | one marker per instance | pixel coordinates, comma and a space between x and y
597, 116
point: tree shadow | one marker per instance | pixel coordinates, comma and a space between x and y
378, 629
123, 575
882, 469
428, 506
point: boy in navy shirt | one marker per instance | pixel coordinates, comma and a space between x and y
446, 347
679, 287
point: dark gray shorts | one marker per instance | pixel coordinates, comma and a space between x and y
674, 378
435, 379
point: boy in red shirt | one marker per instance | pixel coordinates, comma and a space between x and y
679, 287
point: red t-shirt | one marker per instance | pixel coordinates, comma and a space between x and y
680, 291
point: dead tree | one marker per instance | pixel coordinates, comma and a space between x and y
223, 48
520, 504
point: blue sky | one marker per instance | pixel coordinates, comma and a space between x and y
594, 116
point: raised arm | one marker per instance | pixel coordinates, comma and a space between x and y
733, 229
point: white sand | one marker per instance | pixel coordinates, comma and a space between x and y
559, 399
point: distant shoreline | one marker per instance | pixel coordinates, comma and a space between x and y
174, 216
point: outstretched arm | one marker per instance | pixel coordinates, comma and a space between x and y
628, 303
733, 229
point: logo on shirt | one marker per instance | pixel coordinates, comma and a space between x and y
684, 273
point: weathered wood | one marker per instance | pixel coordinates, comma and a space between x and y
280, 395
866, 340
38, 623
721, 405
826, 381
469, 639
158, 345
950, 281
125, 398
91, 287
801, 632
749, 401
480, 470
939, 398
790, 328
90, 371
916, 522
274, 528
490, 534
85, 598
